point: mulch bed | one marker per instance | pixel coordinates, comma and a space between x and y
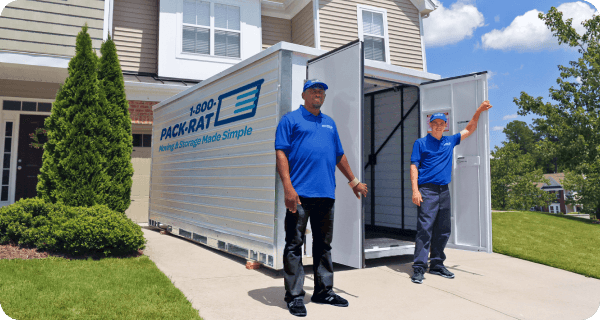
15, 251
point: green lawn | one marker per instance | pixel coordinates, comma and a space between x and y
559, 241
56, 288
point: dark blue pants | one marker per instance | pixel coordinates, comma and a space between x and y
320, 213
433, 226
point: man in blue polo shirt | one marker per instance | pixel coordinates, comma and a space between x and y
430, 174
308, 149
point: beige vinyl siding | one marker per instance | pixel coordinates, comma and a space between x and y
275, 30
135, 31
28, 89
50, 26
339, 25
303, 28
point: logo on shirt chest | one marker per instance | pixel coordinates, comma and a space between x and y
327, 126
446, 144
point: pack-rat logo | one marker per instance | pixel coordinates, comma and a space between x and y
238, 104
233, 106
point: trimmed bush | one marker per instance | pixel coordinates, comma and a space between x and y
118, 165
95, 230
75, 162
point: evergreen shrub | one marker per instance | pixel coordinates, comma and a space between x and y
95, 230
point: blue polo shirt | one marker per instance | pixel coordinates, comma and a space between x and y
312, 146
433, 157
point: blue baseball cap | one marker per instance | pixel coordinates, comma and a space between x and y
438, 115
314, 83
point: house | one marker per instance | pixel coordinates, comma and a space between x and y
167, 46
558, 205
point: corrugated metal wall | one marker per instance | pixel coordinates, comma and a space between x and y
135, 31
50, 26
275, 30
339, 25
303, 27
223, 190
388, 171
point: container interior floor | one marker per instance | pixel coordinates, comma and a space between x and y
381, 238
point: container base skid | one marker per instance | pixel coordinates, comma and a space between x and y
201, 238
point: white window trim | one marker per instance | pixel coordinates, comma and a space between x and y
179, 54
359, 9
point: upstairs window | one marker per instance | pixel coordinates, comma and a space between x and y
211, 29
372, 29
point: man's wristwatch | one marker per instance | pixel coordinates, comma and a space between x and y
353, 183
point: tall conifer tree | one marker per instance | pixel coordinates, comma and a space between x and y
119, 166
74, 169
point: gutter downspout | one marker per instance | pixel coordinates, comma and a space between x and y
317, 27
421, 17
108, 19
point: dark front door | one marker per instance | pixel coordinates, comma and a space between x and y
29, 159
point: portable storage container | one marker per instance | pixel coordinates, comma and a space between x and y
214, 178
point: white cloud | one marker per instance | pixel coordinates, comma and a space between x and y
493, 86
451, 25
497, 18
491, 74
498, 128
529, 33
578, 79
510, 116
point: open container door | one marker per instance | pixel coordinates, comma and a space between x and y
471, 186
342, 70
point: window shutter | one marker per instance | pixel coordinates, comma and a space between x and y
233, 18
220, 16
367, 21
203, 13
189, 39
203, 40
377, 25
189, 11
227, 44
373, 35
233, 45
374, 48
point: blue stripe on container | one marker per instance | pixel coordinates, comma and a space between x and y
243, 109
247, 94
245, 102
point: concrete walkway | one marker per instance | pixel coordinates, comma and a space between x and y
487, 286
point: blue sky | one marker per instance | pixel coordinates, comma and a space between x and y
506, 39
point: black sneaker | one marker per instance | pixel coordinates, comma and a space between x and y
417, 276
297, 307
441, 271
331, 298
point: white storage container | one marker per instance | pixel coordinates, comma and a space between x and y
214, 178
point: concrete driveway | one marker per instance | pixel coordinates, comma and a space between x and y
487, 286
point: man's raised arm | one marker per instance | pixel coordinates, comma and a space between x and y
473, 123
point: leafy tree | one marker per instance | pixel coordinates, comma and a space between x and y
74, 169
518, 132
532, 141
574, 118
119, 166
514, 179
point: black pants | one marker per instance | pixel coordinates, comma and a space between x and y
433, 226
320, 212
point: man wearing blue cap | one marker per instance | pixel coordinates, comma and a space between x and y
308, 149
430, 174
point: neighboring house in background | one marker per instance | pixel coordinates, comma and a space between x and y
166, 46
558, 205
